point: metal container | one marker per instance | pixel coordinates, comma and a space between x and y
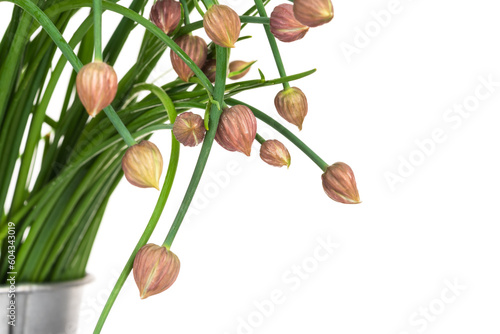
49, 308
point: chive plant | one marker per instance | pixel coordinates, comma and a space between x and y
55, 184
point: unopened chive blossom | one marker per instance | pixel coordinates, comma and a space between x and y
339, 184
155, 270
291, 104
285, 26
166, 14
142, 165
96, 85
237, 129
222, 25
313, 13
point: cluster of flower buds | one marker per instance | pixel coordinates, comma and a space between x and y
166, 14
237, 129
96, 85
222, 25
196, 48
142, 165
290, 23
155, 269
189, 129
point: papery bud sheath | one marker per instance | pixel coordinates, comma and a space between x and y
222, 25
237, 129
339, 184
96, 85
155, 269
189, 129
285, 26
142, 165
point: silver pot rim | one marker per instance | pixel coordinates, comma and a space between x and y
33, 287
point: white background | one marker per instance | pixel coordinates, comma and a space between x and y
399, 251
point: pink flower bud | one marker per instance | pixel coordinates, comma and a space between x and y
209, 69
155, 269
237, 129
222, 25
275, 153
96, 84
189, 129
142, 165
313, 13
196, 48
285, 26
237, 66
291, 104
340, 185
166, 15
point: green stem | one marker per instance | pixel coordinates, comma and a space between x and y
9, 68
285, 132
208, 3
68, 52
222, 56
148, 25
198, 8
272, 43
260, 139
119, 126
162, 96
97, 8
160, 205
39, 117
185, 10
76, 165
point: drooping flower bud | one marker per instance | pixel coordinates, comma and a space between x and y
239, 66
142, 165
96, 84
189, 129
285, 26
166, 15
313, 13
237, 129
196, 48
155, 269
291, 104
222, 25
275, 153
209, 69
340, 185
